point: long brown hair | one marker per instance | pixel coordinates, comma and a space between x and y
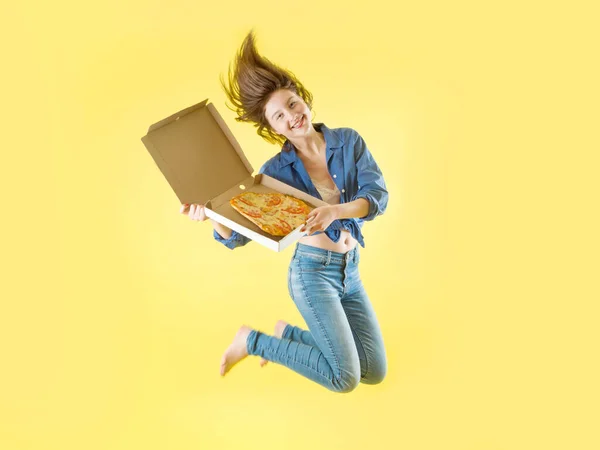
252, 82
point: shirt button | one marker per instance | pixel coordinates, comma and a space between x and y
335, 176
343, 190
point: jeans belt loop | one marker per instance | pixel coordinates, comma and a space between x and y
328, 258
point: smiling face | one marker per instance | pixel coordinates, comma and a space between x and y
284, 110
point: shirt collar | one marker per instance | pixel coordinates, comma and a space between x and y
332, 142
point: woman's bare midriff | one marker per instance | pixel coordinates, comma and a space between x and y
344, 245
317, 170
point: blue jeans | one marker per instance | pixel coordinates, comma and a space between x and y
344, 346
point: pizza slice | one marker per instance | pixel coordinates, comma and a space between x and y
275, 213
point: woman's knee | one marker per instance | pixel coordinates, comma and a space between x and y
348, 380
375, 374
345, 385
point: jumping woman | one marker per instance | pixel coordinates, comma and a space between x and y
343, 345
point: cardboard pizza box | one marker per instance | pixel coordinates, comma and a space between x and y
204, 163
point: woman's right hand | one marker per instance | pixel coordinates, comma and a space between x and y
195, 211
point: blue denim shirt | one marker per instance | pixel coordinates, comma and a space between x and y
352, 168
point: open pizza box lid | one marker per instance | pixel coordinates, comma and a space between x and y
204, 163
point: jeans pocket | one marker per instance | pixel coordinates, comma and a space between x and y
308, 264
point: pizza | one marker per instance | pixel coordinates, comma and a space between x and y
275, 213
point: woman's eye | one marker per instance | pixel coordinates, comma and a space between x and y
291, 106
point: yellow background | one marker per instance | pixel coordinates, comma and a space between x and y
483, 271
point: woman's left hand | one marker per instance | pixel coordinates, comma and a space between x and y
319, 219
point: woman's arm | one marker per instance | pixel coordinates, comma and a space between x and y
228, 237
370, 180
358, 208
224, 232
320, 218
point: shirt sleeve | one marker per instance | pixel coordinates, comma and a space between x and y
370, 180
236, 239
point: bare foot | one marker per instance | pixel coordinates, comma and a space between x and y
236, 351
279, 327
